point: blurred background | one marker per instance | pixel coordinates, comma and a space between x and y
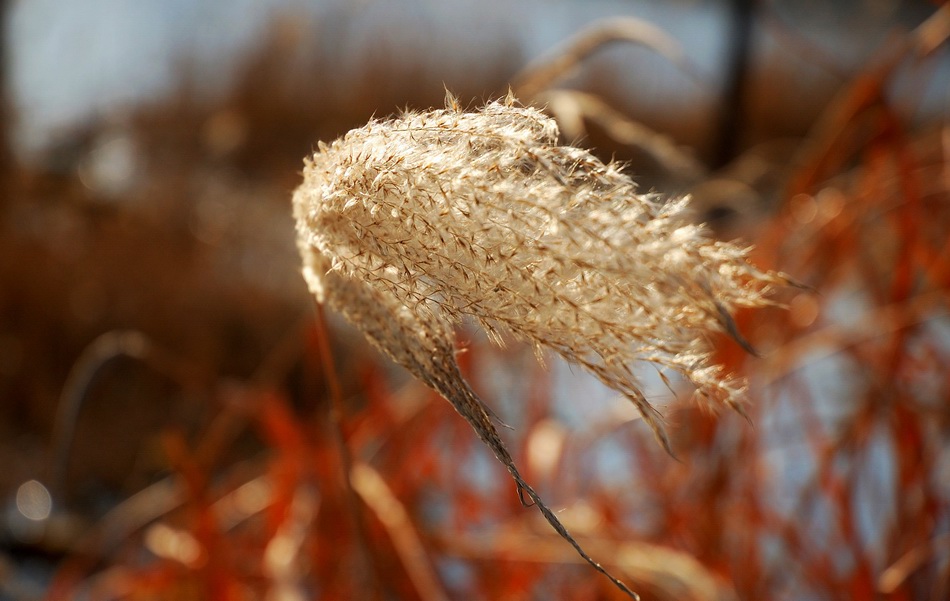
175, 422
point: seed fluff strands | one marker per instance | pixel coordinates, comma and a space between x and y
410, 225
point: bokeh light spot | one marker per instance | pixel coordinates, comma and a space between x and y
34, 501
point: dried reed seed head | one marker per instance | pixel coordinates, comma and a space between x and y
407, 226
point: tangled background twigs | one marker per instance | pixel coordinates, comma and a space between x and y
205, 464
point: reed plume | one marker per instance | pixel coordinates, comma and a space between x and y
409, 226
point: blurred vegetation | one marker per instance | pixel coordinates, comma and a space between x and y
150, 281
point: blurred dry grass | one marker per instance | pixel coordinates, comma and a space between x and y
216, 457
